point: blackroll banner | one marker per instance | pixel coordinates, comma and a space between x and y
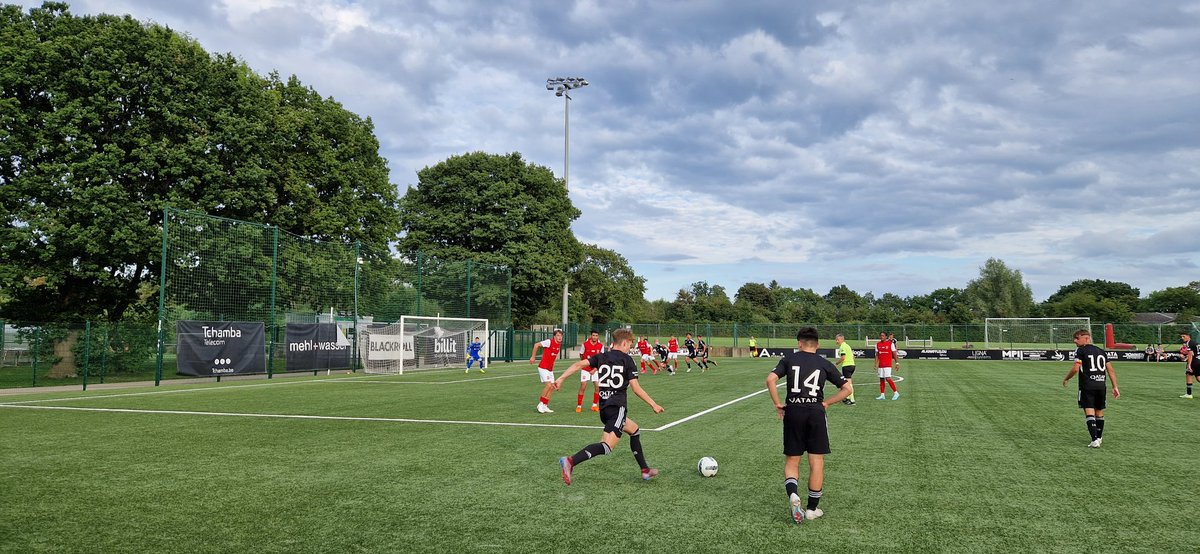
211, 348
312, 346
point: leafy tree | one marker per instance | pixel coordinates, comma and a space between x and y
683, 308
1173, 300
604, 287
497, 209
1099, 289
1082, 303
104, 121
847, 304
1000, 291
757, 294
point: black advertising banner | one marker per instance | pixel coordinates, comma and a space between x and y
312, 346
212, 348
936, 354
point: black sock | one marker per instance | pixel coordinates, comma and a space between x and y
790, 486
1099, 426
1091, 425
1189, 388
814, 497
635, 444
590, 451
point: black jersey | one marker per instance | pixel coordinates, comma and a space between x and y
660, 350
807, 374
614, 371
690, 345
1195, 350
1092, 367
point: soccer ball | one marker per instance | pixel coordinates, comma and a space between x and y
707, 466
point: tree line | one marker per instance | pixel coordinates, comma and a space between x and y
999, 291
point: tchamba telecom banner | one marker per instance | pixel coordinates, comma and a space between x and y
312, 346
210, 348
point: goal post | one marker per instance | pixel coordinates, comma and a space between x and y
1032, 332
418, 343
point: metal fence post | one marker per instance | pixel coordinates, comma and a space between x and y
87, 351
274, 287
162, 296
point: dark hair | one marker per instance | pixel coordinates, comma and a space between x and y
594, 332
807, 334
1083, 333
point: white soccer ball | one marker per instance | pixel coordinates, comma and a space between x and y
707, 466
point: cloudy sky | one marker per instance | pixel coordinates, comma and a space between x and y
889, 146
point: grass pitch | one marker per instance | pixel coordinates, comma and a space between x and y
975, 456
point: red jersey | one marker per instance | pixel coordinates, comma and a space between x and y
592, 348
549, 354
644, 347
672, 345
884, 352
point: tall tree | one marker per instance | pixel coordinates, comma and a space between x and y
604, 287
1173, 300
104, 121
1099, 289
497, 209
1082, 303
1000, 291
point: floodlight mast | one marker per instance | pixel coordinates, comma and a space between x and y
562, 86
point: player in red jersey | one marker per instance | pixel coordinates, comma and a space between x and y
885, 354
546, 368
591, 347
643, 347
673, 353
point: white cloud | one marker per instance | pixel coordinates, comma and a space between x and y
921, 137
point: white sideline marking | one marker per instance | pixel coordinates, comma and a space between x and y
299, 416
531, 376
360, 378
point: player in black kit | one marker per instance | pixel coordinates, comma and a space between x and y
1093, 367
805, 427
662, 354
1191, 362
689, 346
615, 371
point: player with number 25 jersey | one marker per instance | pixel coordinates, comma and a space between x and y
615, 373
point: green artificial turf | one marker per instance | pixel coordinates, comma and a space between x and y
975, 456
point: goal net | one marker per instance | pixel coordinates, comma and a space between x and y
1034, 332
417, 343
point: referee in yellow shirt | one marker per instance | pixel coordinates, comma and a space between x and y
753, 347
845, 360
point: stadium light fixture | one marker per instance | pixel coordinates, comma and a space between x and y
562, 86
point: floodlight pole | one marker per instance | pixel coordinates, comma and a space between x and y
562, 87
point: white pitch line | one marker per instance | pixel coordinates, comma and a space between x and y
300, 416
715, 408
710, 410
362, 378
169, 391
351, 379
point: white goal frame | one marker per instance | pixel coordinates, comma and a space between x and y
927, 343
409, 359
1068, 327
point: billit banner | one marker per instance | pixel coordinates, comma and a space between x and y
313, 346
208, 348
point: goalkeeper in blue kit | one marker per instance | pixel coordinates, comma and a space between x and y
473, 355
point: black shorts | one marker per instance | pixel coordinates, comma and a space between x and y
1194, 369
691, 353
613, 416
805, 430
847, 371
1093, 399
